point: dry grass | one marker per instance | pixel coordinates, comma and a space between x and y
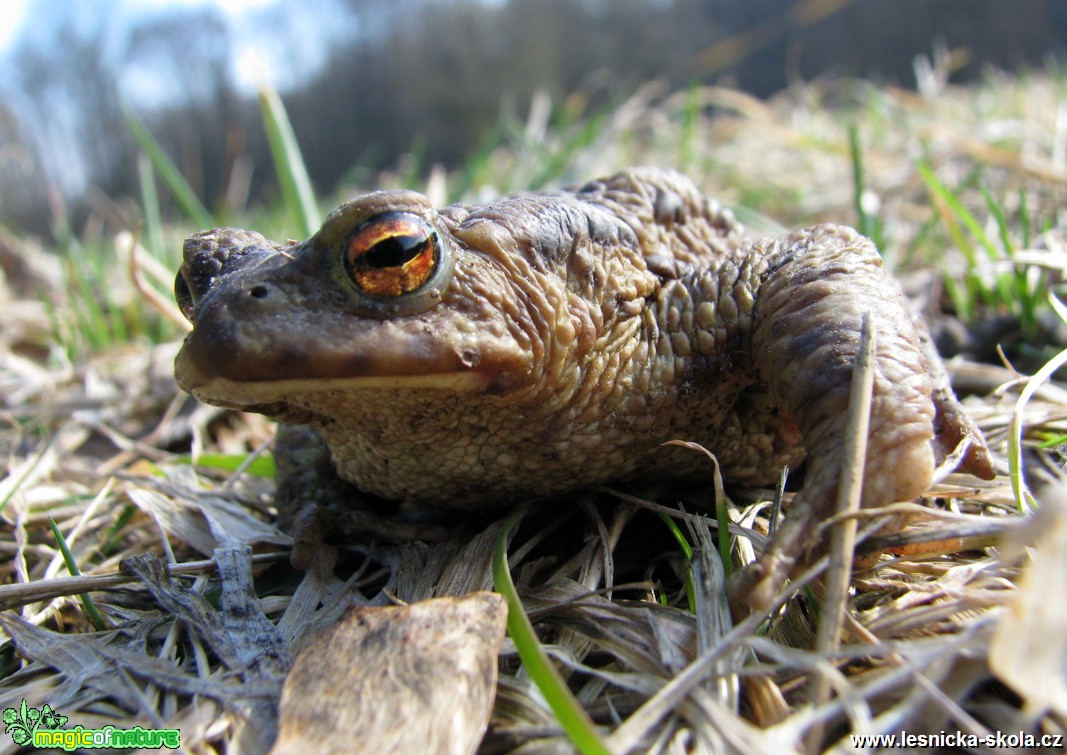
965, 637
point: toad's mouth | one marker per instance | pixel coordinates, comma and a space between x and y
268, 396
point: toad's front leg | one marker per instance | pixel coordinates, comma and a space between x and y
811, 290
316, 506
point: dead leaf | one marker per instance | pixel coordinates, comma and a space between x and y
396, 679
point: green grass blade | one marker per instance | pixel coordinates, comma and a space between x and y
1020, 289
168, 171
722, 532
414, 163
479, 166
153, 217
868, 224
1015, 426
1009, 289
557, 163
89, 319
1012, 287
690, 119
1024, 218
961, 301
965, 216
952, 214
687, 550
1003, 230
113, 536
675, 530
72, 567
568, 711
946, 200
1057, 440
261, 466
289, 163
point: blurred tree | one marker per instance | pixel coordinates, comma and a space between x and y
198, 118
68, 149
434, 77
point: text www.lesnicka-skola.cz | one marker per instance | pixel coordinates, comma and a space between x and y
993, 740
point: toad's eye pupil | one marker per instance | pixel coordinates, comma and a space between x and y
395, 251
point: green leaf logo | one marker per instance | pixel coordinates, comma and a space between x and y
22, 723
50, 719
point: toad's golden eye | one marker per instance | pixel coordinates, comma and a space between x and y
392, 254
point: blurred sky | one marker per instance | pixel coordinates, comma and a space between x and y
13, 13
31, 25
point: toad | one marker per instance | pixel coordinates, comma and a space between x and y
479, 356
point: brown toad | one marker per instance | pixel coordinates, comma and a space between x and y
478, 356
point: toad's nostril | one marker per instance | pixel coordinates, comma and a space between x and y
259, 291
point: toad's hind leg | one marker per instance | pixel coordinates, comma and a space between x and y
812, 289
